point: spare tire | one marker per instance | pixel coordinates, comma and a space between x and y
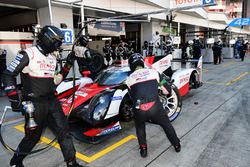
97, 62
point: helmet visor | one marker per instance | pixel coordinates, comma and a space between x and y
57, 44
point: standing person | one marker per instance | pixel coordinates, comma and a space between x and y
131, 48
184, 50
87, 59
220, 45
3, 54
189, 49
37, 68
114, 51
217, 49
122, 50
189, 53
145, 48
243, 49
107, 52
236, 48
196, 51
82, 52
156, 39
147, 105
151, 49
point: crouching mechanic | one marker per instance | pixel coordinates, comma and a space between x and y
37, 69
143, 88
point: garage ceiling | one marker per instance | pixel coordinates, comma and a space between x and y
35, 4
10, 7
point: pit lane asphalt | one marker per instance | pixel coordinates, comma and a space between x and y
214, 133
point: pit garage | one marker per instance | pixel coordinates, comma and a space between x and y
213, 125
213, 128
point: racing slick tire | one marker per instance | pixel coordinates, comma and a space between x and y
172, 103
126, 113
97, 62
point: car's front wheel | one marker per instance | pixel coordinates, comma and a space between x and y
172, 103
126, 109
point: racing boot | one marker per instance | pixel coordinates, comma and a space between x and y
73, 164
143, 151
20, 164
15, 163
177, 148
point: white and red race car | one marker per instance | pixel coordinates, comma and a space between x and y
100, 105
184, 79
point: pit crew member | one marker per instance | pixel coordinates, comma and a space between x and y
143, 88
37, 65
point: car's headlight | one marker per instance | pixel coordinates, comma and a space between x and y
101, 107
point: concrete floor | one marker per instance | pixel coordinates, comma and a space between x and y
214, 133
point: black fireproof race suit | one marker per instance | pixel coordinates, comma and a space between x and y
37, 75
143, 89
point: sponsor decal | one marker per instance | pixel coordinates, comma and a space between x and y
69, 101
173, 116
140, 79
110, 130
164, 62
11, 68
50, 67
116, 98
13, 64
83, 94
16, 62
184, 78
140, 74
19, 57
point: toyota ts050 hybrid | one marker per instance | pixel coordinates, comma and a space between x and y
99, 106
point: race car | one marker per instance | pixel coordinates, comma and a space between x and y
184, 79
99, 107
65, 88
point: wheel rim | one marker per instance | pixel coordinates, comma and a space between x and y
127, 110
170, 103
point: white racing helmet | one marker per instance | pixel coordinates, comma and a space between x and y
190, 42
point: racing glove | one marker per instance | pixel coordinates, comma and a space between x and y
165, 84
71, 58
58, 79
66, 68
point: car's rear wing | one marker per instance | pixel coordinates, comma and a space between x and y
198, 67
160, 65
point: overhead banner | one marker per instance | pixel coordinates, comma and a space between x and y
186, 3
239, 22
107, 28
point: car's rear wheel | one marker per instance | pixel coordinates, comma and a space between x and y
172, 103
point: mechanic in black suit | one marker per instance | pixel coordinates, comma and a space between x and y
3, 54
37, 67
143, 88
